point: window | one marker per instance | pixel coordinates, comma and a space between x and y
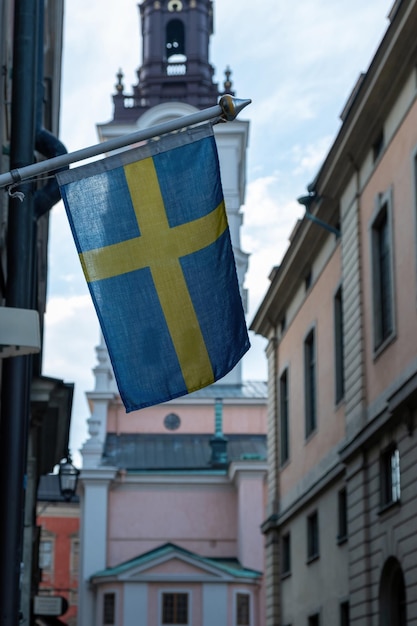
286, 554
283, 417
74, 557
342, 515
307, 280
242, 609
344, 614
310, 383
73, 597
338, 347
312, 536
390, 476
175, 608
382, 276
378, 145
109, 608
314, 620
46, 554
175, 38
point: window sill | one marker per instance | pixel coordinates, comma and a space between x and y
339, 403
311, 559
284, 464
310, 436
389, 506
285, 575
383, 345
342, 540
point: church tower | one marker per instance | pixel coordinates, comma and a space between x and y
176, 79
170, 490
175, 58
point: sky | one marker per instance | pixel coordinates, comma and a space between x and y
296, 61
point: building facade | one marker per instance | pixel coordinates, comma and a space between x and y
172, 510
173, 496
59, 546
35, 409
340, 318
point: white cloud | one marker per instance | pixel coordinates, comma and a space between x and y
308, 158
72, 332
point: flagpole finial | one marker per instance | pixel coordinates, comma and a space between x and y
231, 107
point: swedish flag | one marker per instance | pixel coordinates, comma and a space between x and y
151, 231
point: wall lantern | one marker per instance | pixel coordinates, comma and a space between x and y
68, 478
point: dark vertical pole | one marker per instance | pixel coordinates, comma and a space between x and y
15, 396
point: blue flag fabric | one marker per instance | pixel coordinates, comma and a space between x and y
151, 231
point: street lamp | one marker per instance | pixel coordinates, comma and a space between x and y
68, 478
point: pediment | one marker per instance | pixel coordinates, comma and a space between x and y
174, 566
171, 563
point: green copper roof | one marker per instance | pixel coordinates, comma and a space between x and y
229, 566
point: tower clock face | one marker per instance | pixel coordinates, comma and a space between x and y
174, 5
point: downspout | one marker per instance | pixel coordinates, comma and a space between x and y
26, 133
46, 143
48, 146
16, 374
307, 201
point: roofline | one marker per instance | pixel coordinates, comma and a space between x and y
393, 61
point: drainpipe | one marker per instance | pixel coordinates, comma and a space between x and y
15, 389
47, 196
307, 201
46, 143
27, 134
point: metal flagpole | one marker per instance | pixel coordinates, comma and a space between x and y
227, 110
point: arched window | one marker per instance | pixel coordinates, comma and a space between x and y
175, 39
392, 598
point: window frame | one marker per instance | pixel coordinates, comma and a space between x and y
342, 516
106, 595
314, 619
313, 537
286, 554
75, 557
236, 593
46, 538
382, 282
414, 174
344, 613
284, 422
310, 382
339, 382
390, 464
174, 591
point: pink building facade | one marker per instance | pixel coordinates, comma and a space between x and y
171, 514
341, 319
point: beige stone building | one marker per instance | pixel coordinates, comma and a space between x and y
340, 317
